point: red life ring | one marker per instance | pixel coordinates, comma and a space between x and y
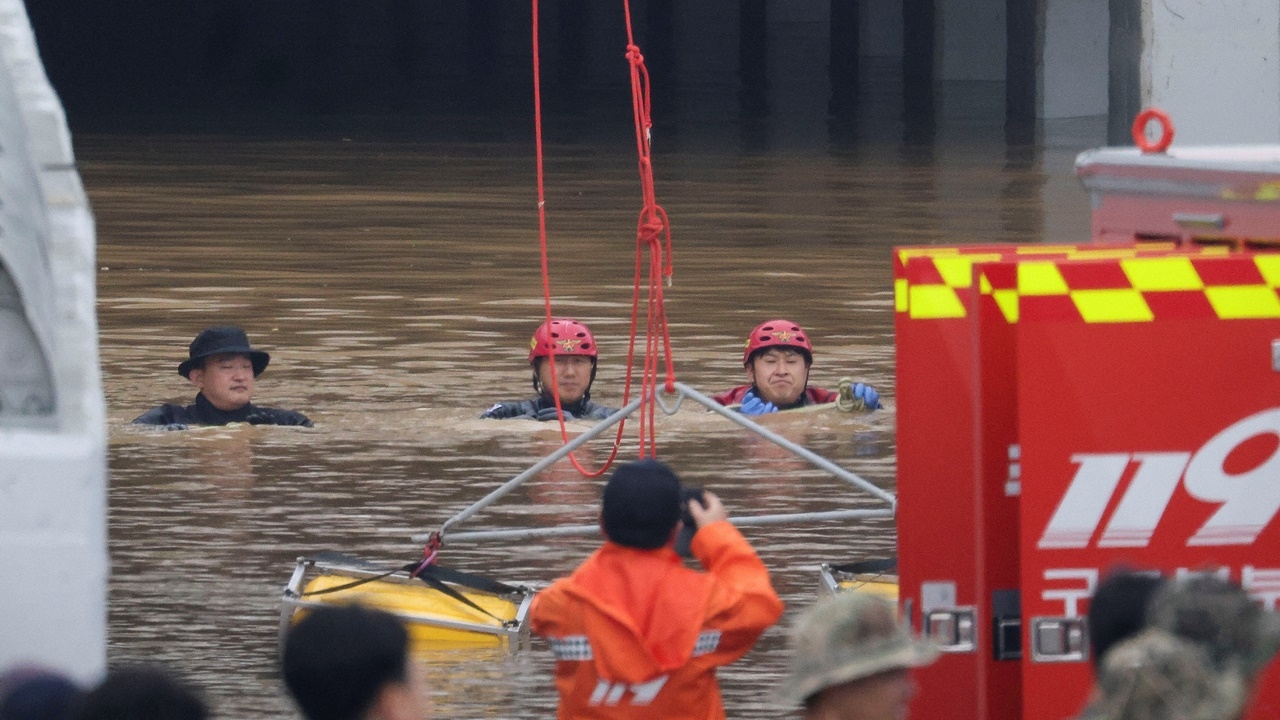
1140, 130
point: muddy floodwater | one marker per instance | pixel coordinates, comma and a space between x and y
396, 282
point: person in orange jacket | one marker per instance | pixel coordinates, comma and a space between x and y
635, 633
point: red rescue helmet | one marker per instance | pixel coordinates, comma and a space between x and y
778, 333
569, 337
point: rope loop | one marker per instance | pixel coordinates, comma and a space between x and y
653, 232
847, 402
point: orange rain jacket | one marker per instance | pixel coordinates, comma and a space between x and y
636, 634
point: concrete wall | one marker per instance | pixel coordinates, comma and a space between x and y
799, 52
53, 540
1214, 67
972, 39
880, 28
1073, 58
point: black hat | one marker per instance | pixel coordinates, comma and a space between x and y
641, 504
222, 340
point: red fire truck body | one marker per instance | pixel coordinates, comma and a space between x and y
1067, 409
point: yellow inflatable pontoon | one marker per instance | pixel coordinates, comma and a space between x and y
435, 618
878, 577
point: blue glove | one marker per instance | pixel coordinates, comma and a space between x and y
549, 414
868, 395
752, 405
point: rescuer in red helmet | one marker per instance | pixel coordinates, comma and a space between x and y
777, 359
575, 354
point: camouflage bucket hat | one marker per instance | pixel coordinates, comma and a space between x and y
1157, 676
1221, 618
850, 636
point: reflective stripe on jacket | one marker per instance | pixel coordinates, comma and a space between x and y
637, 634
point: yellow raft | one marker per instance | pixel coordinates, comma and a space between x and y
433, 618
878, 582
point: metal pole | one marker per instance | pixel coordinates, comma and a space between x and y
747, 521
799, 450
538, 467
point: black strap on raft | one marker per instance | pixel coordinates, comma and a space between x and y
434, 576
878, 566
429, 577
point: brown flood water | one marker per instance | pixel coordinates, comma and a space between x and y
396, 284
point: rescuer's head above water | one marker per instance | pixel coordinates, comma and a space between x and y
223, 367
574, 348
851, 660
777, 358
575, 354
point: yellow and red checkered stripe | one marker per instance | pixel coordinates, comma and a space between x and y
1138, 289
926, 279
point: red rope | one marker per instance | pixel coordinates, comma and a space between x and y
653, 232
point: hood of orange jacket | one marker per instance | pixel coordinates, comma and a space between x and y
644, 610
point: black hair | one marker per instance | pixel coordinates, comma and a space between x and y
141, 693
641, 504
44, 695
1118, 609
338, 658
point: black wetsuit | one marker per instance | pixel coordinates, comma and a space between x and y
544, 408
202, 412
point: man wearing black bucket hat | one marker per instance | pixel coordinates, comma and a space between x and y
222, 366
635, 633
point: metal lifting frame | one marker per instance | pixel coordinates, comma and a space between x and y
682, 391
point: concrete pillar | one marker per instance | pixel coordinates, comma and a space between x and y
753, 58
1022, 20
972, 35
53, 509
1073, 58
799, 81
843, 63
918, 57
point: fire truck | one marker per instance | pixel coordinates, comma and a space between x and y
1064, 410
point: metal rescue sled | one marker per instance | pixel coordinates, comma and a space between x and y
441, 608
444, 606
1067, 409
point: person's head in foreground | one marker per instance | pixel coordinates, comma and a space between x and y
641, 505
349, 662
777, 359
851, 660
35, 693
575, 354
1118, 609
1221, 618
1156, 675
142, 693
223, 366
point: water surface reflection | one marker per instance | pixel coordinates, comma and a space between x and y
396, 283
